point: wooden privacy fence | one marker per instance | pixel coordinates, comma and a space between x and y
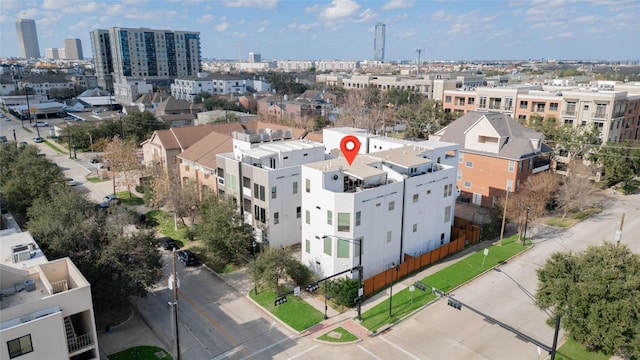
463, 233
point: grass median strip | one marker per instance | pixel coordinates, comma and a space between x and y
296, 312
141, 353
405, 301
338, 335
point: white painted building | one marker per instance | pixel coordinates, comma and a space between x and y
46, 310
263, 175
397, 201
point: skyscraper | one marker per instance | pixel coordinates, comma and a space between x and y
378, 42
102, 60
157, 56
27, 38
73, 49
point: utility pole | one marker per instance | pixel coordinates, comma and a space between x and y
555, 338
619, 231
526, 221
173, 284
419, 51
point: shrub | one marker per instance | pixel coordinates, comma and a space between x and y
343, 291
299, 273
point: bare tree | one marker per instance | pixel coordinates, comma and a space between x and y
121, 158
576, 188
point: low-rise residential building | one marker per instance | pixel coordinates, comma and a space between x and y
43, 84
263, 175
384, 205
497, 154
46, 310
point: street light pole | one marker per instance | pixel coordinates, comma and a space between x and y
90, 141
526, 221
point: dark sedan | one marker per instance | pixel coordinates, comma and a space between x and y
187, 257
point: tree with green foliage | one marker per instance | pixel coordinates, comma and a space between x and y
285, 83
121, 157
574, 143
343, 291
117, 264
222, 229
25, 176
217, 103
274, 265
620, 162
427, 118
598, 303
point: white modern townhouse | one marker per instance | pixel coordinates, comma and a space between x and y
263, 175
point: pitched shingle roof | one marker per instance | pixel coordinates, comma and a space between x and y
204, 151
518, 138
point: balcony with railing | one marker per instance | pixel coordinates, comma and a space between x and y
541, 164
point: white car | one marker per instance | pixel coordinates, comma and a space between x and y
40, 124
71, 182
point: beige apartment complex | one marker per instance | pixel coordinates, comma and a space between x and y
613, 110
46, 310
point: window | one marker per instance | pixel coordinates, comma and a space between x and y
261, 192
276, 218
415, 227
343, 249
389, 236
447, 99
327, 245
524, 104
461, 158
307, 185
483, 102
274, 192
295, 187
246, 182
508, 103
467, 184
298, 212
586, 107
344, 221
329, 217
459, 176
447, 214
392, 205
512, 165
220, 172
442, 239
509, 185
416, 197
19, 346
448, 189
469, 164
553, 106
358, 218
307, 246
471, 101
307, 216
520, 166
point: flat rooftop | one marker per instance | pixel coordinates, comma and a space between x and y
407, 156
360, 168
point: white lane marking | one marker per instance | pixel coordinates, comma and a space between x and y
369, 352
399, 348
268, 347
304, 352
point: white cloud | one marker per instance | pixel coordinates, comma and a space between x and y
366, 15
313, 8
565, 35
401, 17
80, 25
339, 9
29, 13
442, 15
238, 34
262, 26
205, 18
260, 4
459, 28
406, 34
398, 4
587, 19
138, 14
222, 27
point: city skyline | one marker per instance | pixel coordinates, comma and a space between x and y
344, 29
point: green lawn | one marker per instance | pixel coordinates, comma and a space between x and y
51, 145
127, 199
404, 302
571, 350
296, 312
342, 336
163, 222
141, 353
95, 179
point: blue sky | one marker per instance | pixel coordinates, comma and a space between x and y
343, 29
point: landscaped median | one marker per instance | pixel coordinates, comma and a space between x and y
296, 312
405, 302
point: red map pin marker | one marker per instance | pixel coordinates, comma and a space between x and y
350, 145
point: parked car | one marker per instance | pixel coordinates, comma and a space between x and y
40, 124
111, 199
71, 182
187, 257
22, 144
104, 206
95, 160
3, 139
38, 139
168, 243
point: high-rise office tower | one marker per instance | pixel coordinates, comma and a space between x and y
73, 49
378, 42
28, 38
52, 53
157, 56
102, 59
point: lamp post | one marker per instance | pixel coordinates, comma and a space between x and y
526, 221
360, 273
419, 51
397, 267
